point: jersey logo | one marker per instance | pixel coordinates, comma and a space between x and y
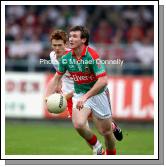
71, 66
82, 78
87, 70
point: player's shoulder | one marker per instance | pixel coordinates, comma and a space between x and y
93, 53
68, 49
53, 55
67, 54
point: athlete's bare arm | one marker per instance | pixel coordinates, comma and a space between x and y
54, 85
100, 83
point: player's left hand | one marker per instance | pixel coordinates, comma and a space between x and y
81, 102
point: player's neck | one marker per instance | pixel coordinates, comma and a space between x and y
78, 51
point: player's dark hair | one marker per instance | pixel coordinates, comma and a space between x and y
84, 32
59, 35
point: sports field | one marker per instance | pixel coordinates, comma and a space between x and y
60, 138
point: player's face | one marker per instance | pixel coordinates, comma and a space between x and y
58, 46
75, 40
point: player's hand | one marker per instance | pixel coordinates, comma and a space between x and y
80, 103
58, 89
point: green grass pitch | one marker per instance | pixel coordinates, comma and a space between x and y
38, 138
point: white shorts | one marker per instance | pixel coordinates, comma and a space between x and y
100, 104
67, 85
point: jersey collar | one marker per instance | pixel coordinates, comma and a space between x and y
82, 54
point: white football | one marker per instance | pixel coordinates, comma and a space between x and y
56, 103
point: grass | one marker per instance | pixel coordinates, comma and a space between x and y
24, 138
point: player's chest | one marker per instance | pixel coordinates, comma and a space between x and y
79, 66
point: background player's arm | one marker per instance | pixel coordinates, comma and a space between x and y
54, 85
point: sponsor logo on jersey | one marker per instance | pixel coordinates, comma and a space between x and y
82, 78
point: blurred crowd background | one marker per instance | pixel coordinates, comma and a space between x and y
117, 32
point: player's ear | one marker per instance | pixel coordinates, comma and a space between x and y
84, 40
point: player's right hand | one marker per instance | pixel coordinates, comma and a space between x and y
80, 102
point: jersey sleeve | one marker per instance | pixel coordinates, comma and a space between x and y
54, 61
99, 68
61, 67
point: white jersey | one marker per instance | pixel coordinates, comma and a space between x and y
67, 80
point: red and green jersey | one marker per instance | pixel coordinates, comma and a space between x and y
85, 71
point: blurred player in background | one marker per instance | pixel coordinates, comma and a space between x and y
58, 42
